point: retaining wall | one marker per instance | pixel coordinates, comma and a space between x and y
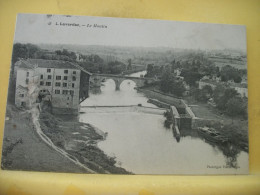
200, 122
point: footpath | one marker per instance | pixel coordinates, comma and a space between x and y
23, 149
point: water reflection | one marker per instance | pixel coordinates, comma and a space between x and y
95, 90
230, 151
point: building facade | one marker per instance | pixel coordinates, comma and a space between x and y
49, 80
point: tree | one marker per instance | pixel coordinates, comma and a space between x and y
222, 95
31, 50
23, 51
208, 89
116, 67
129, 66
235, 106
229, 73
73, 56
168, 121
204, 94
237, 79
169, 84
178, 64
149, 70
191, 76
173, 63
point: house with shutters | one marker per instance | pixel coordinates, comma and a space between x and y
63, 84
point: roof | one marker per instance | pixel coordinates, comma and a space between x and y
22, 87
239, 85
31, 63
231, 84
209, 81
23, 64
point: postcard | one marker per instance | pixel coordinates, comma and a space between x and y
126, 96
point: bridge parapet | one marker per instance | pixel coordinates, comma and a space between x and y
122, 76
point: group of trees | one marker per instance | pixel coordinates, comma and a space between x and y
152, 70
24, 51
230, 73
113, 67
170, 84
195, 70
70, 56
204, 94
91, 58
92, 63
226, 99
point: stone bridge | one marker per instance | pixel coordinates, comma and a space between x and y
96, 79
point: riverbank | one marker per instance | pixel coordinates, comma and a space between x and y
235, 130
24, 150
79, 140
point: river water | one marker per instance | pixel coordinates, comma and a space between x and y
141, 143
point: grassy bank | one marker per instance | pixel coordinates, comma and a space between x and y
235, 129
80, 141
24, 150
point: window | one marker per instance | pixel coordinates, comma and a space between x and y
64, 84
65, 78
68, 98
41, 82
57, 84
74, 72
57, 91
48, 83
74, 78
73, 85
66, 71
48, 70
27, 81
58, 77
49, 76
71, 92
65, 92
21, 95
27, 74
41, 76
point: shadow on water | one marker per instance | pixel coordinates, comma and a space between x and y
95, 90
229, 150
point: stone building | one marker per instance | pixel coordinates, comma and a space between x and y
63, 84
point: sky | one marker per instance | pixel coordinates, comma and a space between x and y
37, 28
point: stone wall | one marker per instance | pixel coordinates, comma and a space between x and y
200, 122
68, 111
165, 98
159, 103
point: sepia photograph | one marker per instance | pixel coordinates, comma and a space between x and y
105, 95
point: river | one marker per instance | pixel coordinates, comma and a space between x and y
141, 143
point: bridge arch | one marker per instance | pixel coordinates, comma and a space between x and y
118, 79
128, 83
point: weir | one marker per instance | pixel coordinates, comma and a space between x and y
123, 108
